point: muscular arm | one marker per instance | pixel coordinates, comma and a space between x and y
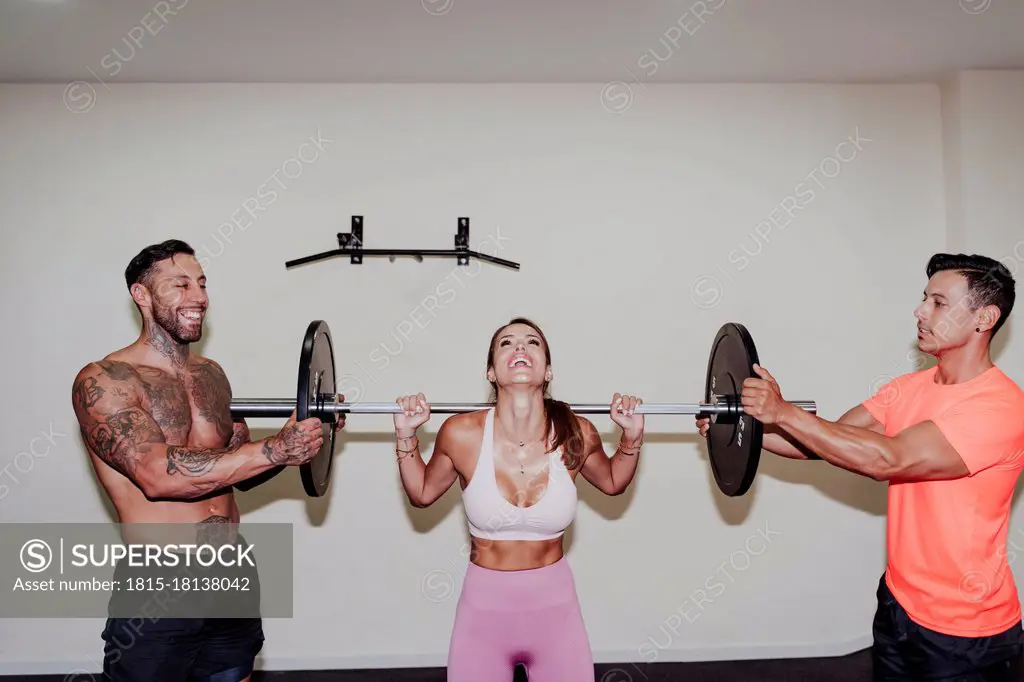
240, 436
611, 475
425, 483
920, 452
778, 442
127, 438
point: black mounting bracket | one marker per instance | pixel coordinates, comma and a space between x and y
351, 244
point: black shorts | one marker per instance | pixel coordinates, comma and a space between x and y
166, 633
181, 649
905, 650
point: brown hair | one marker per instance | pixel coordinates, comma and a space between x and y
560, 418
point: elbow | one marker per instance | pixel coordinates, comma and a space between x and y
418, 500
885, 466
163, 487
154, 488
614, 489
432, 491
876, 474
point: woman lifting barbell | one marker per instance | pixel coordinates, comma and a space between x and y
517, 464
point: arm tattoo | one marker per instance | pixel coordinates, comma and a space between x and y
89, 389
121, 438
193, 462
124, 412
206, 488
240, 435
88, 392
268, 452
281, 449
104, 444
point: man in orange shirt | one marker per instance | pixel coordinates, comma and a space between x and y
950, 442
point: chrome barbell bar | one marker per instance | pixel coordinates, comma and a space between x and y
329, 405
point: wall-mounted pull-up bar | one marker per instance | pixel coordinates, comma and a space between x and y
351, 244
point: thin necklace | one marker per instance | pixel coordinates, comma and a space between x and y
521, 455
522, 469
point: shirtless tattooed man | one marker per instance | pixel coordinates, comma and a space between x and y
156, 420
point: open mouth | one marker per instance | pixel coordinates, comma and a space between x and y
520, 361
191, 316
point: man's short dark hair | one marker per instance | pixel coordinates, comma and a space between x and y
140, 267
989, 282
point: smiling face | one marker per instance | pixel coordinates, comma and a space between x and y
177, 299
519, 356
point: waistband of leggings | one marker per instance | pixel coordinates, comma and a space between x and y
533, 588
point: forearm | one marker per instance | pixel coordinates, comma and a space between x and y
240, 436
624, 461
850, 447
411, 467
178, 472
781, 444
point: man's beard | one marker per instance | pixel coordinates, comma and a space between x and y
173, 325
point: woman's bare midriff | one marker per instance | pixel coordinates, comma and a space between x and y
515, 555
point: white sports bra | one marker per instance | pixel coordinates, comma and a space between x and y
492, 517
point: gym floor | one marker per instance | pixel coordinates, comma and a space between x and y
855, 667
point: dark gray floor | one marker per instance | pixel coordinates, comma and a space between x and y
853, 668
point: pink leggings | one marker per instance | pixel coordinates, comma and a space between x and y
531, 617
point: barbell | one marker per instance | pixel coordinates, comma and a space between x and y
734, 438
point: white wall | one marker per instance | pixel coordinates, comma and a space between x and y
992, 204
639, 234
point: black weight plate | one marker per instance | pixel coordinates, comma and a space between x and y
734, 441
316, 379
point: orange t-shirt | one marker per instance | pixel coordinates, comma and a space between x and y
946, 540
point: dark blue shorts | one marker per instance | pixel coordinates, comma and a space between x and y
181, 649
905, 650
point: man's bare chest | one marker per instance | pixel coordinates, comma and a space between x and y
191, 408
